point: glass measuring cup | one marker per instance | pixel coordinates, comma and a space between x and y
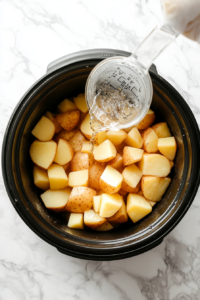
119, 89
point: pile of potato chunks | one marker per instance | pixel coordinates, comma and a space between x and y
124, 178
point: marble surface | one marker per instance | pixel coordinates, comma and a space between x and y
32, 34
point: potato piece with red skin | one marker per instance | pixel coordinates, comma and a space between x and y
116, 163
147, 121
68, 120
80, 161
95, 172
80, 199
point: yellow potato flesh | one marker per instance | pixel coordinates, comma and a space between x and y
85, 127
44, 130
147, 120
121, 216
150, 139
40, 178
110, 204
51, 117
105, 151
66, 106
43, 153
57, 177
96, 203
78, 178
132, 175
56, 199
132, 155
77, 141
137, 207
64, 152
76, 221
92, 219
134, 138
100, 137
81, 103
167, 146
104, 227
110, 180
162, 130
116, 137
86, 147
154, 165
153, 188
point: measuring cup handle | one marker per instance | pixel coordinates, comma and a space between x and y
153, 45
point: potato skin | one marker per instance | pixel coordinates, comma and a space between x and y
77, 141
107, 188
126, 188
95, 172
149, 132
68, 120
79, 162
147, 121
80, 199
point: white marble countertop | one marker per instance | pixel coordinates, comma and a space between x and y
32, 34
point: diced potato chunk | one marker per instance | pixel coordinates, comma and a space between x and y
110, 204
66, 106
134, 138
78, 178
44, 130
86, 147
57, 177
137, 207
56, 199
126, 188
121, 216
147, 121
80, 161
68, 120
150, 139
77, 141
152, 203
105, 151
131, 155
154, 165
43, 153
92, 219
167, 146
95, 172
80, 200
104, 227
96, 203
65, 135
85, 127
64, 152
51, 117
81, 103
116, 137
40, 178
100, 137
76, 221
128, 129
154, 188
110, 180
116, 163
132, 175
162, 130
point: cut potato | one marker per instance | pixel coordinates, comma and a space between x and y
134, 138
95, 172
64, 152
92, 219
162, 130
57, 177
77, 141
66, 166
150, 139
81, 103
76, 221
116, 137
104, 227
105, 151
65, 135
43, 153
68, 120
40, 178
167, 146
78, 178
147, 121
51, 117
66, 106
110, 204
137, 207
154, 188
110, 180
128, 129
96, 203
152, 203
80, 161
80, 200
131, 155
85, 127
121, 216
128, 189
56, 199
132, 175
86, 147
100, 137
154, 165
116, 163
44, 130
